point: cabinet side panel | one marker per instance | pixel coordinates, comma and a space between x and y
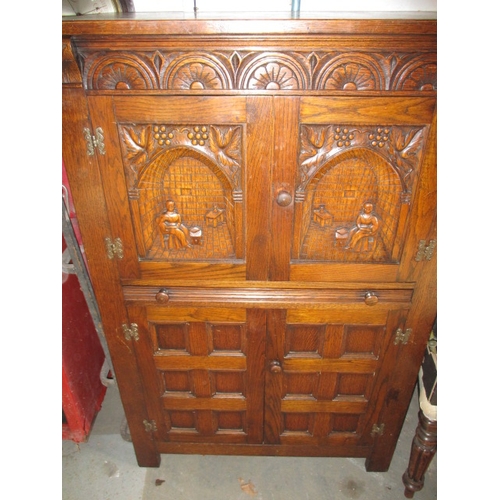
86, 188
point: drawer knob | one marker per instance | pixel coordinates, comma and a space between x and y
284, 199
371, 298
162, 296
276, 367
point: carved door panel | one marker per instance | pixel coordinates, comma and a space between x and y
326, 374
202, 370
362, 188
175, 175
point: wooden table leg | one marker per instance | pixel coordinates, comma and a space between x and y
423, 449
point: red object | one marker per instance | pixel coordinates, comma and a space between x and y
82, 358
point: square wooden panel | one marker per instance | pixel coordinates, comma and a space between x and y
340, 423
297, 423
300, 384
228, 382
227, 337
362, 341
354, 384
171, 336
183, 420
304, 339
177, 381
230, 421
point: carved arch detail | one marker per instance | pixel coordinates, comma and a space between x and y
351, 72
230, 69
273, 71
401, 146
419, 74
217, 146
121, 72
332, 200
197, 72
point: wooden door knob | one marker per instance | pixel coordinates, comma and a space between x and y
371, 298
162, 296
276, 367
284, 199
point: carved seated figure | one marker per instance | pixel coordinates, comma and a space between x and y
367, 225
169, 224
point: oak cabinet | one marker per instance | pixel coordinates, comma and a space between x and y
258, 206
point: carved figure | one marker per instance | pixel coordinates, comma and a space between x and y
366, 226
170, 223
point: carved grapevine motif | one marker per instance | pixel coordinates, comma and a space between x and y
402, 146
141, 144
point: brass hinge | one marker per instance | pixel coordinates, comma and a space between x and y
114, 248
150, 425
425, 252
94, 141
377, 429
132, 332
402, 337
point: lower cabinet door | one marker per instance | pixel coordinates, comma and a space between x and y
203, 371
326, 374
247, 376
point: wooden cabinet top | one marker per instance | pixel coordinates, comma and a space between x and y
395, 23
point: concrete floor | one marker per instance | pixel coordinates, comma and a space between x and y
105, 468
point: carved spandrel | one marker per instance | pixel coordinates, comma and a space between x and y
257, 70
319, 144
142, 144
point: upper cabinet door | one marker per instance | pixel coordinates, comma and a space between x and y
364, 189
178, 184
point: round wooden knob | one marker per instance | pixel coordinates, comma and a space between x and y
284, 199
162, 296
371, 298
276, 367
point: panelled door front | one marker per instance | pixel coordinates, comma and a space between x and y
182, 177
202, 370
326, 370
353, 188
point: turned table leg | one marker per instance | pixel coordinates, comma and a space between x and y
423, 449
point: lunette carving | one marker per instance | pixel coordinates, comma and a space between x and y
257, 70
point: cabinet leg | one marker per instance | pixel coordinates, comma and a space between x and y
423, 449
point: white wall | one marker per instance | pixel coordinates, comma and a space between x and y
285, 5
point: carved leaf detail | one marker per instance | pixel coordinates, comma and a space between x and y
316, 144
226, 145
412, 143
139, 144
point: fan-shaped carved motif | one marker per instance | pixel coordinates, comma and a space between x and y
121, 72
254, 70
351, 72
197, 72
419, 74
273, 72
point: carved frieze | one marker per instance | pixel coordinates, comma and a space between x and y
257, 70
